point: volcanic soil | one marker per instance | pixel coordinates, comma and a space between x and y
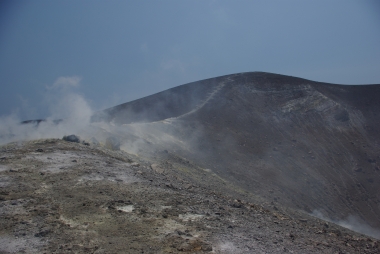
297, 143
64, 197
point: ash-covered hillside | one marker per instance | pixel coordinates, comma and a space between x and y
244, 163
292, 142
65, 197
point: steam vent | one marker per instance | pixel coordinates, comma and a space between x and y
243, 163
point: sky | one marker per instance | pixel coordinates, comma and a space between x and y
111, 52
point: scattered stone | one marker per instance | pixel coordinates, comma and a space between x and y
85, 143
71, 138
42, 233
188, 186
186, 233
198, 221
157, 168
126, 208
40, 150
194, 245
169, 185
236, 205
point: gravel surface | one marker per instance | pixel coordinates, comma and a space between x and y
63, 197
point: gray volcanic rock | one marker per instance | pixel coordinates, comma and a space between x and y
73, 198
292, 142
71, 138
244, 163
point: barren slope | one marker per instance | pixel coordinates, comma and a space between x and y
62, 197
293, 142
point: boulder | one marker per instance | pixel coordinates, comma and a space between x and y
85, 143
72, 138
157, 168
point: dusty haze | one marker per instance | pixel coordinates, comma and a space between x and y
288, 142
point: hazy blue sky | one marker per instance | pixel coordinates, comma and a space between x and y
112, 52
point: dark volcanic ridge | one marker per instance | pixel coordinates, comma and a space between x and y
294, 142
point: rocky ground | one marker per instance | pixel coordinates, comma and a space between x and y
64, 197
297, 143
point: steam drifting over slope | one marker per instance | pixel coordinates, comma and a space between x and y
291, 141
70, 114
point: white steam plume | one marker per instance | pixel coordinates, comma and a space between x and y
65, 82
71, 109
353, 223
